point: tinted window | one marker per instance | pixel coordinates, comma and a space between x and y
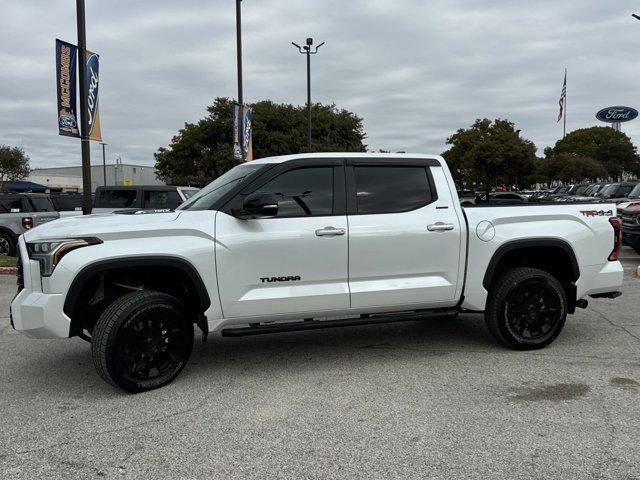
206, 197
303, 192
391, 189
161, 199
67, 203
624, 190
10, 202
635, 193
42, 204
117, 199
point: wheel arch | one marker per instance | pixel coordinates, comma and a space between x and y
91, 271
553, 255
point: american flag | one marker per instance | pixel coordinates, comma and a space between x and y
563, 97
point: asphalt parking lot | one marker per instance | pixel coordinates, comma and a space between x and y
432, 399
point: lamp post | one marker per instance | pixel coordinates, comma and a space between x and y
104, 163
239, 60
84, 117
308, 50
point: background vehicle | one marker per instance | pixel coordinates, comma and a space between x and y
20, 212
67, 204
631, 226
280, 244
618, 192
110, 199
501, 198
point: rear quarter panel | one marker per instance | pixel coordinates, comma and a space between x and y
590, 237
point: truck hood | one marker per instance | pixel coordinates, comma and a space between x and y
109, 225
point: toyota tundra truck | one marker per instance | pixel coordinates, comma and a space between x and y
308, 242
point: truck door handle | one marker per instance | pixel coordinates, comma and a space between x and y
330, 232
440, 227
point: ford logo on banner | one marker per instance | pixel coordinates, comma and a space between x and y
617, 114
67, 121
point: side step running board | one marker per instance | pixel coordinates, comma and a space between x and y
311, 324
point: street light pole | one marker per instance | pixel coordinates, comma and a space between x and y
239, 59
239, 47
84, 118
308, 51
104, 163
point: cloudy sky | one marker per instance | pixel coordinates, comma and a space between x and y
415, 70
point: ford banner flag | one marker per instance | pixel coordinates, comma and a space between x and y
66, 57
247, 141
93, 82
242, 132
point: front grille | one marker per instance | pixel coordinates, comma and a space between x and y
19, 274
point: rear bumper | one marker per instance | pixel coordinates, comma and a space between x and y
597, 279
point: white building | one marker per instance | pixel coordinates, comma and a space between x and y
69, 179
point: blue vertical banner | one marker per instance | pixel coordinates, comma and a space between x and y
242, 132
247, 140
66, 63
93, 84
237, 132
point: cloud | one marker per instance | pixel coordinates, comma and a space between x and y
415, 71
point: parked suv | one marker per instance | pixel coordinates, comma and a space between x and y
20, 212
156, 197
631, 226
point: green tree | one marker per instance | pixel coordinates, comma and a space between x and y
489, 152
14, 164
202, 151
611, 148
571, 168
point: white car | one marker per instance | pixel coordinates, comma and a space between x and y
305, 242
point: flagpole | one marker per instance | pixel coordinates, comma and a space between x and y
564, 131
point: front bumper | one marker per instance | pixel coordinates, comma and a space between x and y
34, 313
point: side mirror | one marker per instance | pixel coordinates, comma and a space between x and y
259, 205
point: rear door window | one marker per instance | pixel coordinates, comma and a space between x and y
42, 204
10, 204
391, 189
117, 199
161, 199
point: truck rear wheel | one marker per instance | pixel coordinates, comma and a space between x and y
142, 341
7, 245
527, 308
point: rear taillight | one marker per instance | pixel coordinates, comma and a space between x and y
616, 223
27, 222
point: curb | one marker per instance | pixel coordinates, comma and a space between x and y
8, 270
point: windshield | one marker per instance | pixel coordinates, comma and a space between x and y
610, 190
206, 197
635, 193
582, 189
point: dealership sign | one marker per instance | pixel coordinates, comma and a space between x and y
617, 114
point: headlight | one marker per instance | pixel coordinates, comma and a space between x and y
49, 252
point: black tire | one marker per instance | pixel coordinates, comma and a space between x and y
142, 341
526, 309
7, 245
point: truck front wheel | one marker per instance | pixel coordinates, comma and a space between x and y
142, 341
527, 308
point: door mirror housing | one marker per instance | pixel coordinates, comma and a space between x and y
259, 205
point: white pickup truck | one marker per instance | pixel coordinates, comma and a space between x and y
305, 242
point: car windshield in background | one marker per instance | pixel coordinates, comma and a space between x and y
116, 199
610, 190
624, 191
206, 197
42, 204
582, 190
635, 193
67, 203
